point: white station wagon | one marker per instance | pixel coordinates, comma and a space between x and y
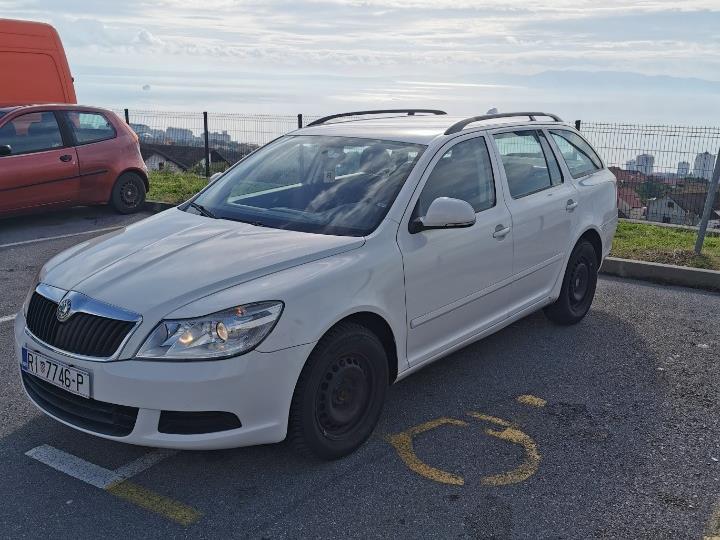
284, 299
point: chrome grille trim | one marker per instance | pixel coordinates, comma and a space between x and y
84, 304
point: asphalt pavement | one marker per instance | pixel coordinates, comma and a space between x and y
606, 429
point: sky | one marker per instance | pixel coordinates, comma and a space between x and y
648, 61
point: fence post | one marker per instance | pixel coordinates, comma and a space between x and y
577, 124
300, 121
207, 145
709, 200
127, 116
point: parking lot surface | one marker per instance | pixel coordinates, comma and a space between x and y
606, 429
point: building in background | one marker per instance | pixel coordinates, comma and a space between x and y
178, 158
703, 167
629, 204
666, 210
631, 165
682, 208
645, 163
683, 169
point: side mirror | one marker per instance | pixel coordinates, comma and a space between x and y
445, 213
214, 177
5, 150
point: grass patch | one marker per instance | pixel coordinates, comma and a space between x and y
172, 187
666, 245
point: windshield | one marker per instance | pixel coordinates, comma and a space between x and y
328, 185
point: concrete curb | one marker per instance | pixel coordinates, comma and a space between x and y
157, 206
662, 273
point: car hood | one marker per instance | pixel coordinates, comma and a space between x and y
174, 257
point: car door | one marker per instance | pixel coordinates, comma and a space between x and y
41, 168
95, 140
454, 277
542, 204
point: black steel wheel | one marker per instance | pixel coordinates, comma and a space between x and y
340, 393
578, 288
128, 194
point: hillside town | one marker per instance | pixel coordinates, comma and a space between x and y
647, 192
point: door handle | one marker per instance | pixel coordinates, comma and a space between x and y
501, 231
65, 158
571, 205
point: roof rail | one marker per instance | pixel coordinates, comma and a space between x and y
410, 112
459, 126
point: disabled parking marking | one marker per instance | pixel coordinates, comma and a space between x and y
532, 401
116, 482
712, 530
154, 502
403, 443
513, 435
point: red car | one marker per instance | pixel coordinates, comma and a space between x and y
68, 155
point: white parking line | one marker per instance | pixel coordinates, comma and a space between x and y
74, 466
94, 474
7, 318
60, 236
117, 483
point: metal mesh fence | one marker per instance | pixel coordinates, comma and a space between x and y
183, 142
663, 171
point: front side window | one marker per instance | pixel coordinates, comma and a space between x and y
530, 166
90, 127
463, 172
580, 158
320, 184
31, 132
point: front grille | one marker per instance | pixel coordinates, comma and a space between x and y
90, 414
82, 333
188, 423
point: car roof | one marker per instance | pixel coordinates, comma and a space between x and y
417, 129
53, 107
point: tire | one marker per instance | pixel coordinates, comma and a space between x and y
340, 393
578, 287
128, 193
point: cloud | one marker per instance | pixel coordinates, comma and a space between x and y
435, 48
145, 38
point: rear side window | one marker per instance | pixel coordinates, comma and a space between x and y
90, 127
530, 166
464, 172
31, 132
580, 158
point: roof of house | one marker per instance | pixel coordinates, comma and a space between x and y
695, 202
630, 197
625, 176
184, 156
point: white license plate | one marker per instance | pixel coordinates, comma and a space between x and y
68, 378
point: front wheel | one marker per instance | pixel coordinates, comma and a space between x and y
578, 287
340, 393
128, 194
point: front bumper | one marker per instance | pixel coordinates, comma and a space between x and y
257, 387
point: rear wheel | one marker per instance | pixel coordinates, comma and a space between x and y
340, 393
578, 287
128, 194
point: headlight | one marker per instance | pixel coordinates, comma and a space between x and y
226, 333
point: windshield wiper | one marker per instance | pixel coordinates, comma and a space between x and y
204, 211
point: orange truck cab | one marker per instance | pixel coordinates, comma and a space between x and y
33, 67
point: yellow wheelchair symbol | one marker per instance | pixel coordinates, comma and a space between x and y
403, 444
